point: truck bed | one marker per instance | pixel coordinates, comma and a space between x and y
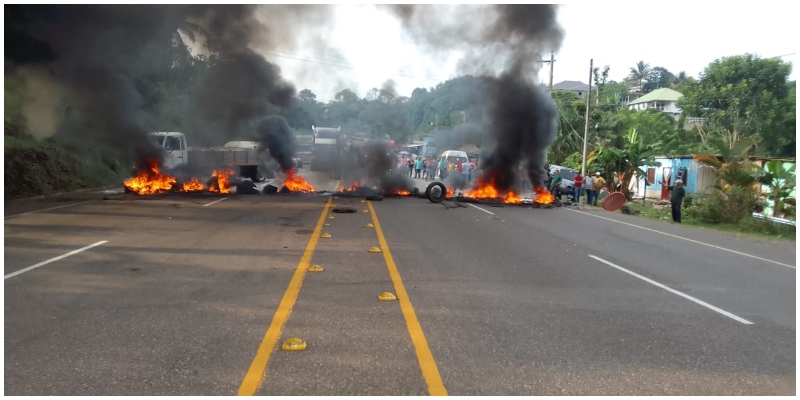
226, 156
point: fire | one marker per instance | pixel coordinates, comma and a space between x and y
296, 183
223, 181
150, 181
351, 188
487, 190
193, 186
402, 193
543, 196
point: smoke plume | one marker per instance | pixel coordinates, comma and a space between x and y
379, 161
275, 132
96, 57
523, 117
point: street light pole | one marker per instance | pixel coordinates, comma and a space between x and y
586, 128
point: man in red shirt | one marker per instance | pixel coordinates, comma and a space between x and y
577, 187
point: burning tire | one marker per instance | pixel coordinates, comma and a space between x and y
436, 192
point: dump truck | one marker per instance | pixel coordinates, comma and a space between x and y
327, 148
247, 158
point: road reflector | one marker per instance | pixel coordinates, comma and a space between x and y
294, 344
336, 197
369, 225
363, 201
374, 249
329, 217
365, 211
325, 235
387, 296
315, 268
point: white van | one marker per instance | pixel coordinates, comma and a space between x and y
454, 156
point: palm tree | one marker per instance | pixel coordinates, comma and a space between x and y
734, 168
640, 72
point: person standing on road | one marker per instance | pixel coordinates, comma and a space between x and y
555, 182
599, 184
442, 168
418, 167
676, 197
577, 187
588, 183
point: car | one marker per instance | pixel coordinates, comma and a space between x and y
567, 179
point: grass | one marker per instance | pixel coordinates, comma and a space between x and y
749, 226
41, 167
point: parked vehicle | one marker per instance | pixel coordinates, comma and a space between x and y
184, 162
567, 179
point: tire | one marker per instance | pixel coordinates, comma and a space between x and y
431, 194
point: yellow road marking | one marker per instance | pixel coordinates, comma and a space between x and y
426, 362
255, 374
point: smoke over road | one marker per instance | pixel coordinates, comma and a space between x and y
94, 59
274, 131
511, 40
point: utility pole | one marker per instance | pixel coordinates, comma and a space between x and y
586, 127
551, 61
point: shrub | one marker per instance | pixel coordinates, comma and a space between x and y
724, 206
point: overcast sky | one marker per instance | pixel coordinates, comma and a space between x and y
372, 47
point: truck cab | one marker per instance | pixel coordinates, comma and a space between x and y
176, 152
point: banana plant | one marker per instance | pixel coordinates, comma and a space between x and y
781, 182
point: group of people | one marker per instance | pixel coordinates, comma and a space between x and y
429, 168
591, 186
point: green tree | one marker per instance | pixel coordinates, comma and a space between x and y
628, 160
658, 78
739, 97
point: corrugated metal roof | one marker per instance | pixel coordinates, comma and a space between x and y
664, 94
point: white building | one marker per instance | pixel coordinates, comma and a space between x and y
665, 100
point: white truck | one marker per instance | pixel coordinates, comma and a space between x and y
184, 162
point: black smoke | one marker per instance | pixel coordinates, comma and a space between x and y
97, 56
511, 40
275, 132
376, 167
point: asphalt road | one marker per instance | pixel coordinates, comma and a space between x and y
194, 295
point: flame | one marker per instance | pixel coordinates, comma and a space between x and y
223, 181
150, 181
402, 193
296, 183
351, 188
543, 196
487, 190
193, 186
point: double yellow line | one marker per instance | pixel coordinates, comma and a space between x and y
256, 373
426, 362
